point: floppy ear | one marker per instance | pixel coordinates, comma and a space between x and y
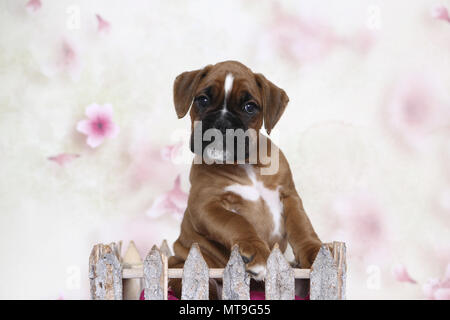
274, 101
184, 89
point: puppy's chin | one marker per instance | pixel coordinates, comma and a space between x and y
211, 153
218, 155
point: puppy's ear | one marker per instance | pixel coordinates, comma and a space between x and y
184, 89
274, 101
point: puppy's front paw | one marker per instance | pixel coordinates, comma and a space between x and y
306, 255
254, 253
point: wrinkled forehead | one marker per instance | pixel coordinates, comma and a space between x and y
230, 80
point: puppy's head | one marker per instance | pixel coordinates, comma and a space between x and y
227, 99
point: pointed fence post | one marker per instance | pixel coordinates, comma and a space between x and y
155, 275
324, 276
236, 281
105, 272
339, 255
116, 248
195, 281
165, 249
280, 281
132, 260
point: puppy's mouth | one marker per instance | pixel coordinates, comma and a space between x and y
222, 138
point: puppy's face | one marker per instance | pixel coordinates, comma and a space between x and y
225, 101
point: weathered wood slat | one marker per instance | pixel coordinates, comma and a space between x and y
165, 249
132, 287
236, 281
155, 275
114, 278
280, 281
116, 248
214, 273
195, 280
105, 272
324, 276
341, 263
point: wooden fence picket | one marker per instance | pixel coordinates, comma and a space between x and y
105, 272
339, 253
280, 281
114, 278
236, 281
155, 275
195, 281
324, 280
165, 249
132, 260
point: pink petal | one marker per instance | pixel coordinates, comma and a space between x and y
169, 152
440, 12
84, 126
160, 206
94, 141
173, 201
430, 287
99, 125
69, 60
442, 294
178, 196
401, 274
69, 55
63, 158
114, 130
94, 110
103, 25
33, 5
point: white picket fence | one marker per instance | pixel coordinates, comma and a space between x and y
113, 277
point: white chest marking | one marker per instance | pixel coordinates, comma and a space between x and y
256, 191
228, 85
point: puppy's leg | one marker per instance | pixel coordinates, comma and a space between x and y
301, 236
228, 228
175, 284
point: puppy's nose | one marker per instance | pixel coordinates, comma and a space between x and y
222, 124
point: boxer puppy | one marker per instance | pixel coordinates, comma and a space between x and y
232, 199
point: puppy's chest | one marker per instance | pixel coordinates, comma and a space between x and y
259, 204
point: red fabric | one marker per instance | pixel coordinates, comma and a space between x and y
254, 295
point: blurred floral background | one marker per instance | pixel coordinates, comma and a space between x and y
90, 143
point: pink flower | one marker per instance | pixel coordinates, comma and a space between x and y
440, 12
438, 289
99, 124
414, 110
103, 25
170, 152
152, 165
64, 59
401, 274
33, 5
299, 39
304, 39
69, 56
63, 158
174, 202
359, 221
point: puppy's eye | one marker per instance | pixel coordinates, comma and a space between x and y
250, 107
202, 101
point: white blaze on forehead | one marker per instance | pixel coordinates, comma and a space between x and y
228, 85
